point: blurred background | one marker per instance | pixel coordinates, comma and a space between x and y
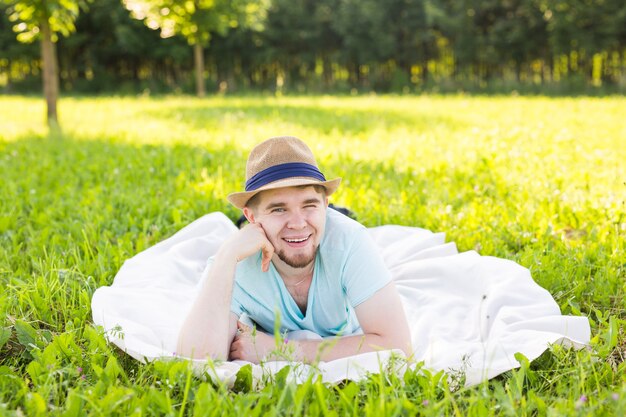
314, 46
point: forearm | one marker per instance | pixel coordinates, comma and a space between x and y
311, 351
391, 332
205, 331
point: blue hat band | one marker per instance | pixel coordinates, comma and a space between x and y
282, 171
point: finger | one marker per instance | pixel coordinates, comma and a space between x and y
268, 252
233, 348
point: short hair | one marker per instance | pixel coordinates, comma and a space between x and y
253, 203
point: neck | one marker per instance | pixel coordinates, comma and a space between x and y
291, 275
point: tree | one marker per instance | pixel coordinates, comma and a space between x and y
14, 54
44, 20
112, 51
414, 41
366, 40
299, 34
197, 21
519, 35
586, 28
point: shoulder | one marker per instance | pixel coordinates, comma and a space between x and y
341, 229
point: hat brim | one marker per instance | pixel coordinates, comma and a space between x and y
240, 200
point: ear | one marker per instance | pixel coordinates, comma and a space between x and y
326, 201
249, 214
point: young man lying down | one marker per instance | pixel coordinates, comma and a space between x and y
299, 262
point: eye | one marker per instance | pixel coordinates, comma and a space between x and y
278, 210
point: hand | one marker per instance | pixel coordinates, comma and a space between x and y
249, 240
248, 347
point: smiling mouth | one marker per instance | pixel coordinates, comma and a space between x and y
296, 240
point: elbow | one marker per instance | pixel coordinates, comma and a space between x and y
401, 342
407, 349
405, 344
187, 349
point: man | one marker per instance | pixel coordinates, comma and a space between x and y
297, 261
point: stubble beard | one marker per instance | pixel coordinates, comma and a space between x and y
298, 261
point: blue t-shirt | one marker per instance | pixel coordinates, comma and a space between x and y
348, 270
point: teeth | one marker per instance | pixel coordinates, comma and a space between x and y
296, 240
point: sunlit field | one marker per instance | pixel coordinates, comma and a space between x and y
541, 181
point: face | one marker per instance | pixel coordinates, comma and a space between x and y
293, 219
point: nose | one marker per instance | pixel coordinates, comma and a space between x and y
297, 220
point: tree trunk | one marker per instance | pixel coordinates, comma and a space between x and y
198, 54
8, 87
327, 72
50, 74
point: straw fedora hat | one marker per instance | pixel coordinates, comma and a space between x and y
279, 162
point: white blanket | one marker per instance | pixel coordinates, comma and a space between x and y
467, 313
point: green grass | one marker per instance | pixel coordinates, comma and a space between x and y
537, 180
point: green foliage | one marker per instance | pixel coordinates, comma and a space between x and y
5, 334
536, 180
196, 20
528, 46
28, 16
243, 381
